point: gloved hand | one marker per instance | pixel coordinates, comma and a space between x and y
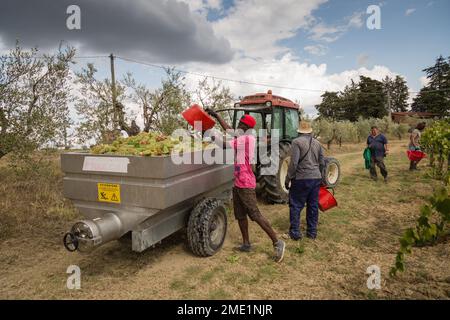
287, 184
211, 112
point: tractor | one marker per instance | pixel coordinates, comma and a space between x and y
275, 112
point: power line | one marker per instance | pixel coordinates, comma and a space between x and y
219, 78
270, 86
252, 83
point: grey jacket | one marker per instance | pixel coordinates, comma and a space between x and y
312, 165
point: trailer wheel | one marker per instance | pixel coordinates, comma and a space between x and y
207, 227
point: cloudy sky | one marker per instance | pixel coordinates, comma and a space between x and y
310, 45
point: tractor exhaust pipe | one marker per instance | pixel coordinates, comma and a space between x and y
86, 235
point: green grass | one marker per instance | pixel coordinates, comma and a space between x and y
372, 295
179, 284
281, 223
209, 275
249, 279
360, 199
233, 258
192, 271
218, 294
299, 249
364, 227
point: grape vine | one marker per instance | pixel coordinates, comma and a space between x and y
432, 224
436, 141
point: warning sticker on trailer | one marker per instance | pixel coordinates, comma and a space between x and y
108, 192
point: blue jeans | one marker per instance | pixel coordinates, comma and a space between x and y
304, 192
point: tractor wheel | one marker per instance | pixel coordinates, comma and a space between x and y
273, 190
260, 183
332, 173
207, 227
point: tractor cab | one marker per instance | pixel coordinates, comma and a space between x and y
270, 112
273, 112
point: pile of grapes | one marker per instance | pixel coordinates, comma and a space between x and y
145, 144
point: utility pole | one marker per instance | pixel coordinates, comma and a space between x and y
114, 93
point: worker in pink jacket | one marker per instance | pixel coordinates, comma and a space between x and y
244, 195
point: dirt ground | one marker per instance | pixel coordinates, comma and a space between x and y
363, 231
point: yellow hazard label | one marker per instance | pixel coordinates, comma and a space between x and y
108, 192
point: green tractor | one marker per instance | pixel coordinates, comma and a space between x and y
275, 112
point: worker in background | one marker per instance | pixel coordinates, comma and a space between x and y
244, 194
303, 181
414, 143
378, 145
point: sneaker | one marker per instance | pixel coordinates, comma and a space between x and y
244, 248
279, 247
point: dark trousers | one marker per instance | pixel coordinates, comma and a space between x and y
304, 192
380, 163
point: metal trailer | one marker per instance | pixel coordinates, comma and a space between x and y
151, 197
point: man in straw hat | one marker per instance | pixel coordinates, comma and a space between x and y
303, 181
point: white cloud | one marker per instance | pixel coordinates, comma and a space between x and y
331, 33
316, 50
256, 27
286, 72
410, 11
322, 32
424, 81
356, 20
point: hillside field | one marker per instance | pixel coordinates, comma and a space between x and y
363, 231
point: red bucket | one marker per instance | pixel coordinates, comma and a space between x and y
196, 113
326, 199
415, 155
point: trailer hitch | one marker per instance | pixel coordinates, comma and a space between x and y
86, 235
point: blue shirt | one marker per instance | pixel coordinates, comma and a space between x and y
376, 145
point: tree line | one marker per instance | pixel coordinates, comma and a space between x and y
435, 96
370, 98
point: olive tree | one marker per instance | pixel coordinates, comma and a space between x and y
160, 108
214, 95
100, 120
34, 95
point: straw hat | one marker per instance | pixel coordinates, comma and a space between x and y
304, 127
